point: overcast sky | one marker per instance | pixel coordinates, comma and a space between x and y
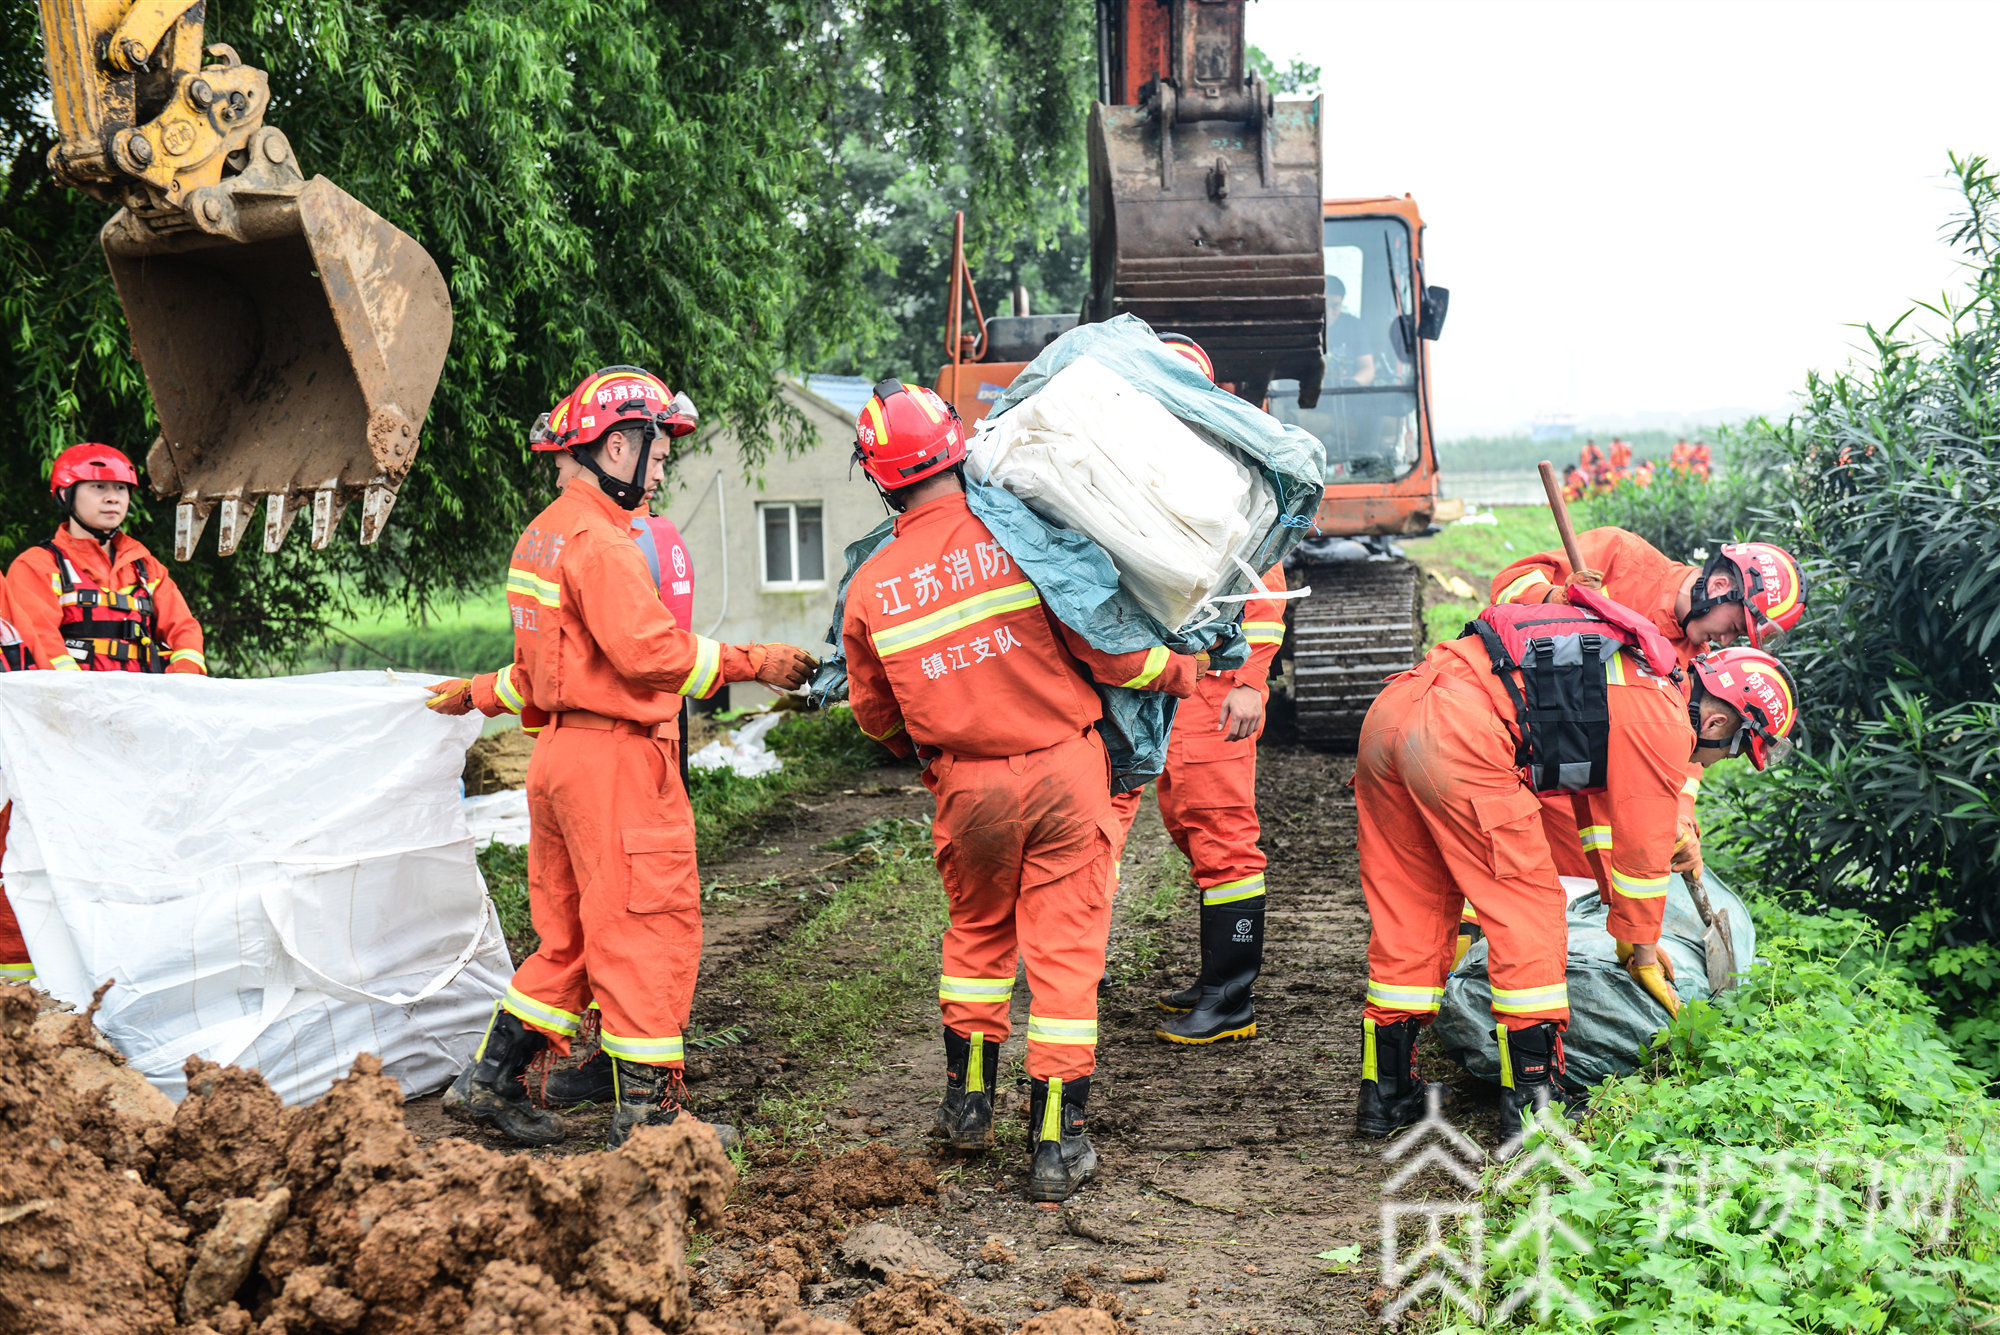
1653, 207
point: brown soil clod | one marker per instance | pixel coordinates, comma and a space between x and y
917, 1305
1073, 1321
885, 1250
224, 1255
1142, 1274
996, 1252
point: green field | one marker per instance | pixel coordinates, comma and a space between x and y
1475, 552
466, 637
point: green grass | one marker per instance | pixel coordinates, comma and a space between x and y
473, 635
1476, 553
1146, 904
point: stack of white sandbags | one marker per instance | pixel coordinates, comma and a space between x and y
1166, 503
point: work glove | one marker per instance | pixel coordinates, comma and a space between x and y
786, 667
1201, 668
1687, 851
1578, 579
450, 697
1657, 978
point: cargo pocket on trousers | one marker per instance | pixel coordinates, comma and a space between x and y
1512, 825
659, 870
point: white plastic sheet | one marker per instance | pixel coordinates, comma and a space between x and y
500, 817
277, 872
745, 752
1092, 453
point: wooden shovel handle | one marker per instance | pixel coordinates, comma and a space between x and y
1553, 486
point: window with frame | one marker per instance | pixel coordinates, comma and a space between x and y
794, 544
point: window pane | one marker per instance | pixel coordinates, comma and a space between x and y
812, 548
778, 544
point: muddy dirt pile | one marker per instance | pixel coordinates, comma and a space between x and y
497, 762
237, 1215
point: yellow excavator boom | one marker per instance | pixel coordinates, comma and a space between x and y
291, 338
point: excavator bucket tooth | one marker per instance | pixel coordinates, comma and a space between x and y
292, 349
1211, 227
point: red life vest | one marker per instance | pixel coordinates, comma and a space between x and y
673, 570
106, 630
1553, 660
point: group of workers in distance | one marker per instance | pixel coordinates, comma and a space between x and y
1564, 734
1599, 472
89, 599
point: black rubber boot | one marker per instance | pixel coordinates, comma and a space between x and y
452, 1105
1182, 1000
1530, 1061
1392, 1095
653, 1096
588, 1082
1232, 954
1064, 1159
971, 1066
496, 1096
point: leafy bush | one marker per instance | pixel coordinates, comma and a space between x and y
1686, 517
1806, 1155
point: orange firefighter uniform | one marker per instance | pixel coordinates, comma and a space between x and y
1446, 819
72, 603
1639, 576
611, 872
951, 653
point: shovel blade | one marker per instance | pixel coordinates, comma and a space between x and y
1719, 952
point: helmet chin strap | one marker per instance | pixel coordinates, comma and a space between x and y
1700, 602
104, 536
627, 495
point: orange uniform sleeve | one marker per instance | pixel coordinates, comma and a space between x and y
615, 599
180, 634
1264, 628
496, 693
1638, 815
1155, 669
876, 711
31, 602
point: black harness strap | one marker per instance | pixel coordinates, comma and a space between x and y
126, 641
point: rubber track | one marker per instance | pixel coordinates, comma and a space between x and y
1363, 622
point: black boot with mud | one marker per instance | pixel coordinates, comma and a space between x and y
654, 1096
1530, 1062
1392, 1094
496, 1095
1221, 1007
971, 1066
1063, 1157
587, 1083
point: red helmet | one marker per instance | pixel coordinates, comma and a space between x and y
90, 462
905, 434
1755, 685
1768, 582
613, 397
1191, 350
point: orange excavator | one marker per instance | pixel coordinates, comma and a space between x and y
1207, 216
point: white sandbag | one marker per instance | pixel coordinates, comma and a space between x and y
1094, 454
276, 872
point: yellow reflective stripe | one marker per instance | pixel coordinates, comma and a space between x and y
1506, 1065
1052, 1111
1264, 632
1393, 996
965, 612
1596, 838
528, 584
19, 972
974, 989
975, 1071
1638, 887
503, 687
189, 656
1614, 671
706, 674
533, 732
1522, 585
1081, 1032
1230, 891
64, 663
1692, 787
524, 1007
1466, 913
894, 728
1369, 1069
652, 1051
1521, 1001
1156, 663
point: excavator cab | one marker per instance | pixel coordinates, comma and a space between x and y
290, 337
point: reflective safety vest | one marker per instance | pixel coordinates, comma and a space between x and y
109, 630
1556, 663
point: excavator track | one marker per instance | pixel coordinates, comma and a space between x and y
1363, 621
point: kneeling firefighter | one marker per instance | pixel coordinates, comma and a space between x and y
1580, 700
952, 653
612, 885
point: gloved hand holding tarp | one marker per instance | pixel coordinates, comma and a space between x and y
1096, 546
277, 872
1612, 1020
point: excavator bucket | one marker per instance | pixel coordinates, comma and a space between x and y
1211, 227
292, 340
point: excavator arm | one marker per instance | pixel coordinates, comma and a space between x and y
291, 339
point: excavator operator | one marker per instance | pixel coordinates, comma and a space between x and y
611, 874
952, 654
1208, 799
1447, 777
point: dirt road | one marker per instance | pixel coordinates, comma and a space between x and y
1227, 1167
